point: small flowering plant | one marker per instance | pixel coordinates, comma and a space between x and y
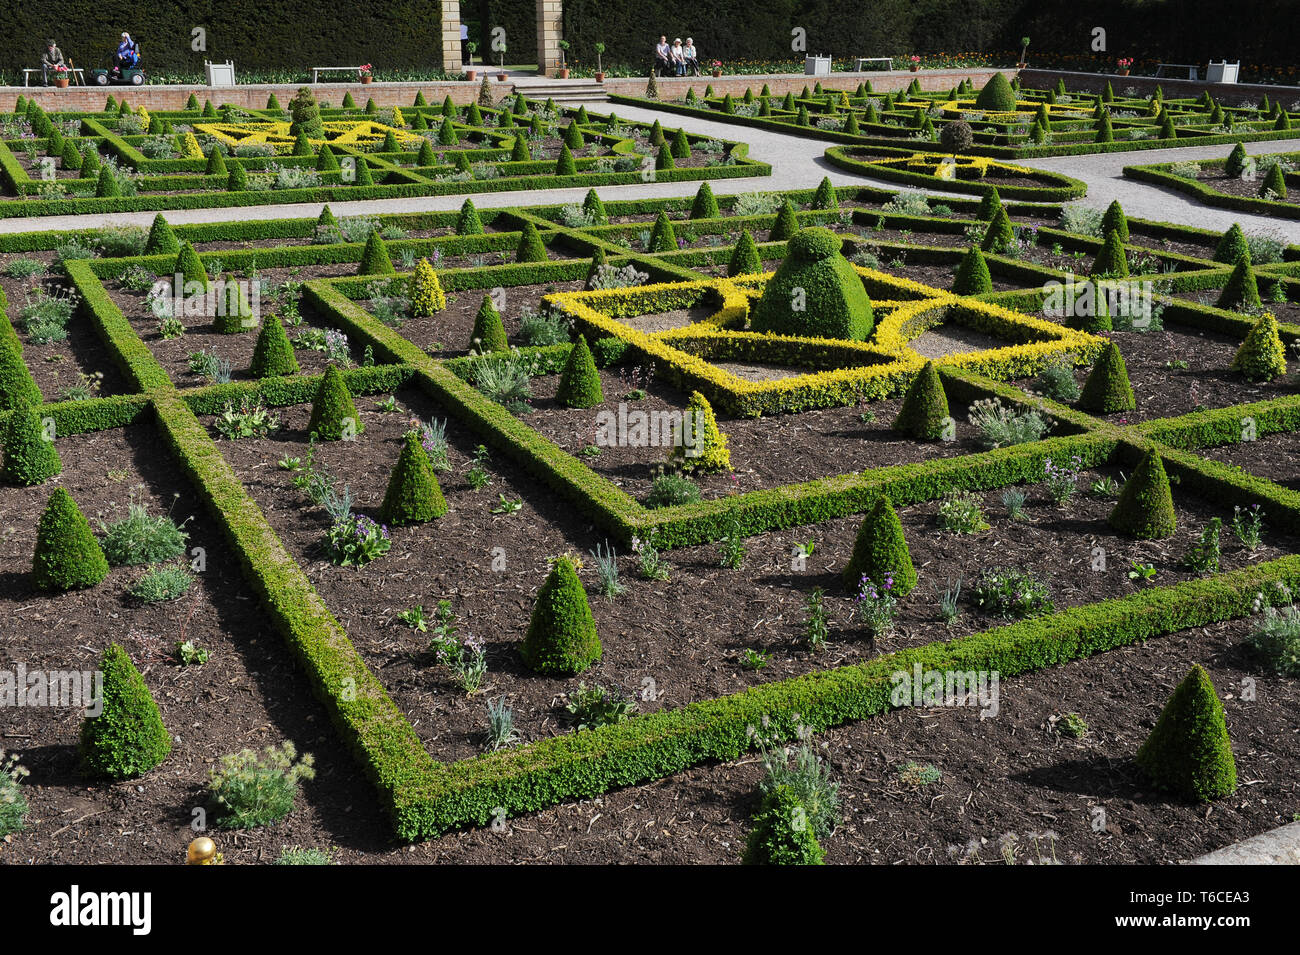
1062, 480
1125, 62
914, 59
355, 540
876, 605
365, 70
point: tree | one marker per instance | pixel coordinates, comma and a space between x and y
956, 137
1145, 508
924, 413
333, 413
413, 495
304, 115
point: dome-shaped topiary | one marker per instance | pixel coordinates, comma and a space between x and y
234, 315
1111, 261
990, 203
1145, 508
700, 445
1232, 246
973, 274
997, 95
1115, 221
561, 638
925, 406
662, 237
744, 257
531, 248
162, 240
427, 296
413, 494
564, 164
705, 206
29, 454
333, 413
786, 224
1241, 287
17, 387
127, 738
468, 222
580, 381
1189, 751
273, 355
1261, 356
190, 267
999, 235
815, 292
1274, 182
1107, 389
825, 196
592, 205
782, 834
374, 258
67, 555
489, 330
879, 550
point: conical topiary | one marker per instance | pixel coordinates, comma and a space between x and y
374, 259
999, 235
580, 381
1115, 221
447, 135
990, 203
468, 222
880, 550
29, 454
489, 331
997, 95
572, 136
1145, 508
1232, 246
106, 187
238, 178
162, 240
1235, 164
825, 197
700, 445
427, 296
973, 274
127, 738
1241, 288
782, 834
234, 315
664, 158
1107, 389
681, 145
815, 292
1274, 182
593, 270
662, 236
786, 224
1105, 134
301, 145
705, 206
531, 248
17, 387
1261, 356
564, 164
425, 156
592, 205
326, 161
1189, 752
190, 267
924, 413
216, 162
744, 257
67, 555
413, 494
519, 151
1111, 261
273, 355
333, 413
561, 638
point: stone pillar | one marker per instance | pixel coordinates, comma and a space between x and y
549, 26
451, 55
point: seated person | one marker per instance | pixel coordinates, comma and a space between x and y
692, 57
127, 56
51, 58
662, 56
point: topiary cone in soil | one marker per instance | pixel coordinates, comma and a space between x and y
531, 248
162, 240
925, 406
29, 455
744, 257
1232, 246
1261, 356
127, 738
273, 355
1107, 389
427, 296
17, 387
700, 445
1235, 164
374, 259
326, 161
999, 235
786, 225
190, 268
663, 238
326, 217
592, 205
1115, 221
489, 331
781, 833
973, 274
825, 197
332, 409
468, 222
990, 203
1274, 182
1145, 508
815, 292
681, 145
235, 314
1189, 752
561, 638
879, 550
216, 163
1110, 261
413, 495
564, 164
68, 556
705, 206
1241, 288
997, 95
580, 381
597, 260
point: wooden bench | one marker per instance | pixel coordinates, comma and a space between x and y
316, 71
888, 61
80, 76
1190, 71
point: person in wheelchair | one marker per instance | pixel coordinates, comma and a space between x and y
127, 56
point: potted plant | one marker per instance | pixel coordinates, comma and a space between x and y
501, 63
366, 72
61, 76
562, 71
716, 66
1024, 51
915, 62
600, 74
1125, 62
471, 48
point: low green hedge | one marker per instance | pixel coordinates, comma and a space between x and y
1160, 175
1060, 188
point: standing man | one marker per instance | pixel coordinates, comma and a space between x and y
51, 58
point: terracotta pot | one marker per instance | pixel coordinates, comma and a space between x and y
503, 77
471, 74
562, 74
916, 67
717, 73
367, 79
600, 77
1123, 72
61, 82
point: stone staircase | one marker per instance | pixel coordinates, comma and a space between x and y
564, 91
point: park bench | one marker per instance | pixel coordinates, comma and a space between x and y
888, 61
80, 77
316, 71
1188, 71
